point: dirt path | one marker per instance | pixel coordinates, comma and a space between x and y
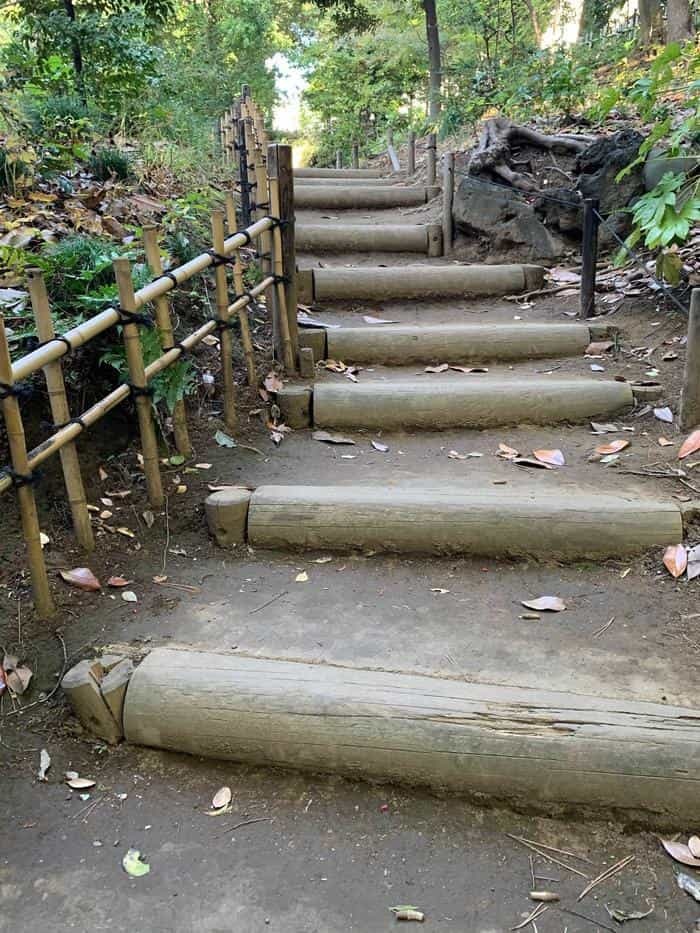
337, 855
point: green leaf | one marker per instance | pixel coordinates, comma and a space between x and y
134, 864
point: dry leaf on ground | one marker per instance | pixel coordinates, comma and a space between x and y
675, 559
545, 604
613, 447
531, 462
81, 577
327, 438
382, 448
369, 319
680, 852
222, 798
664, 414
440, 368
554, 457
507, 453
690, 445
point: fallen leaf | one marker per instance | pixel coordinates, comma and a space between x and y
529, 462
160, 578
323, 560
327, 438
134, 864
675, 559
106, 501
595, 368
544, 604
78, 783
118, 582
669, 356
599, 346
690, 445
106, 514
43, 540
440, 368
148, 518
120, 493
438, 589
664, 442
694, 846
454, 455
680, 852
302, 577
609, 458
506, 452
368, 319
181, 489
664, 414
613, 447
619, 915
469, 369
224, 440
70, 775
203, 466
382, 448
407, 912
82, 577
222, 798
176, 460
44, 764
126, 532
554, 457
273, 383
17, 676
607, 428
129, 596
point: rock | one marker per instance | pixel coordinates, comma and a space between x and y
504, 220
599, 166
658, 163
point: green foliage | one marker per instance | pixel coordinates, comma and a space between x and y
665, 215
109, 163
79, 274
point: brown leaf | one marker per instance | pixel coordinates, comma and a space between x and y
440, 368
680, 852
118, 581
382, 448
675, 559
665, 442
664, 414
469, 369
78, 783
327, 438
506, 452
81, 577
599, 346
555, 457
690, 445
545, 604
18, 678
612, 448
529, 461
222, 798
369, 319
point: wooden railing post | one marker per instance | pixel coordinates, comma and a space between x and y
411, 159
43, 601
225, 339
250, 161
589, 255
355, 161
139, 387
431, 160
60, 412
448, 190
281, 187
690, 394
165, 331
243, 179
338, 158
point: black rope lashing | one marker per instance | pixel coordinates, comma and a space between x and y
133, 317
218, 259
21, 479
169, 275
280, 279
76, 420
221, 325
140, 391
267, 255
22, 391
58, 337
248, 238
181, 347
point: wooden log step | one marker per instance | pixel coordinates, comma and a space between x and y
535, 747
379, 283
339, 173
400, 344
337, 197
465, 401
486, 522
388, 238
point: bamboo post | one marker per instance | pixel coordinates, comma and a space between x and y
245, 91
355, 156
43, 601
231, 223
390, 136
165, 331
589, 256
448, 191
137, 376
250, 157
431, 159
281, 186
338, 158
225, 338
411, 158
690, 394
244, 321
60, 412
243, 173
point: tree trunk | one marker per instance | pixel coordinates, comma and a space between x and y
679, 27
76, 51
536, 28
434, 63
649, 22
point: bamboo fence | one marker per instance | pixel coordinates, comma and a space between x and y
268, 224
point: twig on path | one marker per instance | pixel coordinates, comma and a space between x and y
55, 687
606, 875
544, 855
537, 912
541, 845
540, 291
597, 923
269, 602
603, 628
259, 819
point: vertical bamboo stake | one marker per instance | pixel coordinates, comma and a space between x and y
411, 159
448, 190
281, 188
58, 401
690, 393
137, 376
431, 159
243, 174
338, 158
231, 224
225, 339
250, 155
589, 256
167, 340
43, 601
355, 156
246, 338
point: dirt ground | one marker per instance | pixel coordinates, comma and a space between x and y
326, 854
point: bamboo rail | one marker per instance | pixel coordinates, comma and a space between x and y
273, 235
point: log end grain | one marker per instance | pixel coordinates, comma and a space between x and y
227, 516
295, 403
